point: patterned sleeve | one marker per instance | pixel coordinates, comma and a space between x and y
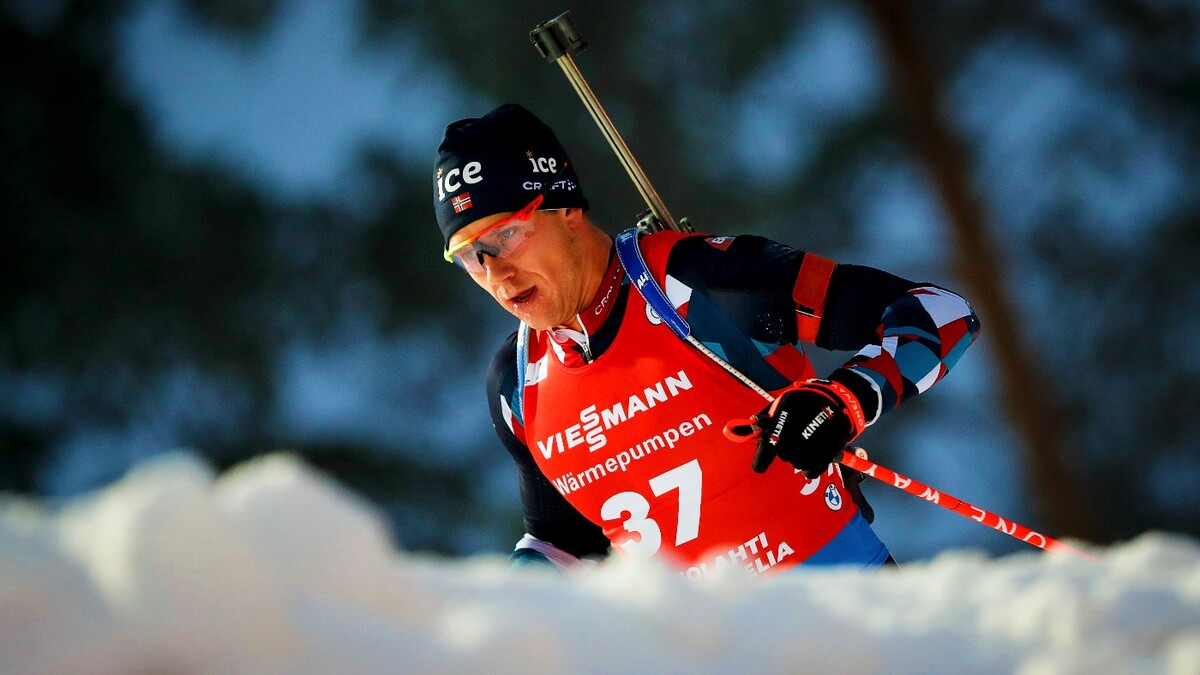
907, 335
921, 335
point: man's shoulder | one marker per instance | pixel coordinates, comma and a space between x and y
682, 247
657, 247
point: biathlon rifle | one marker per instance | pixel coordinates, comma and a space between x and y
556, 40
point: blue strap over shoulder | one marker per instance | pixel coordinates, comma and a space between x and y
518, 399
630, 255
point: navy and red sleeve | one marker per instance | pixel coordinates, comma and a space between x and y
906, 335
548, 515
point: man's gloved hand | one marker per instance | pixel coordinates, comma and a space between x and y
808, 426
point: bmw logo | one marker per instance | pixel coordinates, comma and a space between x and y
833, 498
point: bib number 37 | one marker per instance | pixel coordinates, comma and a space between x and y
685, 478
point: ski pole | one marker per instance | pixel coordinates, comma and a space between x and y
556, 40
860, 463
742, 430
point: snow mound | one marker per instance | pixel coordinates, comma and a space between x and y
272, 568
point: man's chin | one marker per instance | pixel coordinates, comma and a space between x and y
531, 319
534, 312
535, 320
535, 323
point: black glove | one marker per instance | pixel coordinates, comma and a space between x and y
808, 426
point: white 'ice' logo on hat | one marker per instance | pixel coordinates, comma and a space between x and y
448, 184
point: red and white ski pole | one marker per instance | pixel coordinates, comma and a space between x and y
951, 503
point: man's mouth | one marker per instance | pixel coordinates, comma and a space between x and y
522, 298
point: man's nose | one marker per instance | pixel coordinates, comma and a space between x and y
495, 268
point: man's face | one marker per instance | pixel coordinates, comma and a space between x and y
542, 281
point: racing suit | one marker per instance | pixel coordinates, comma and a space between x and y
616, 429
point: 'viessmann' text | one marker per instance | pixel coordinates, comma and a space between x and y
593, 422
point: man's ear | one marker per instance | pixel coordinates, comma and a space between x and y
573, 218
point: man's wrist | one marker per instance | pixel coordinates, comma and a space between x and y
864, 391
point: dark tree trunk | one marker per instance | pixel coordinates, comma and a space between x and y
1032, 406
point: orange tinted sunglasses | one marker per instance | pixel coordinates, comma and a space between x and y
523, 214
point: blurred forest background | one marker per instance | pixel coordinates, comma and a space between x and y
220, 236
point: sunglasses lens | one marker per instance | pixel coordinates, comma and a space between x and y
470, 257
496, 244
497, 240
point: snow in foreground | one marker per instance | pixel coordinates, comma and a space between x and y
272, 568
